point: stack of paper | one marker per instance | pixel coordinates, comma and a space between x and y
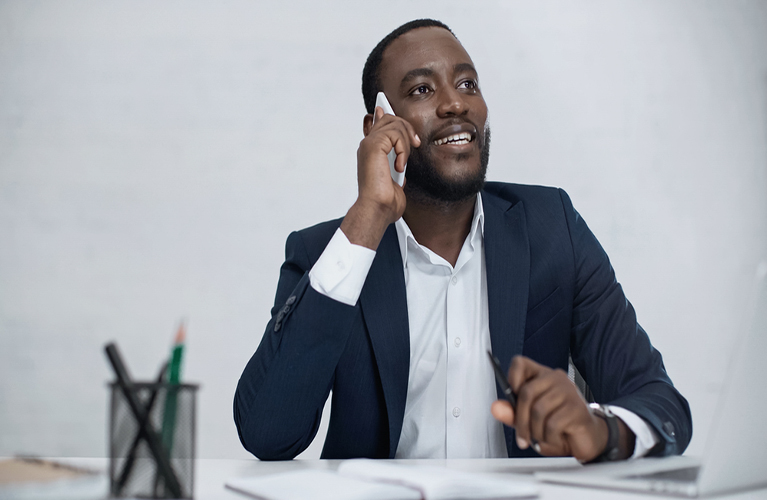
363, 479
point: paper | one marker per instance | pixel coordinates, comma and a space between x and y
28, 478
318, 485
439, 483
15, 471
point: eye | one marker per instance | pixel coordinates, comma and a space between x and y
420, 90
468, 84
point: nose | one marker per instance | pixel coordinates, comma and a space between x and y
451, 103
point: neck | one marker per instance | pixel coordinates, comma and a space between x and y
440, 226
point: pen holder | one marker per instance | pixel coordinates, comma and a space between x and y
152, 448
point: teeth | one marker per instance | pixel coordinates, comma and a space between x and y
462, 138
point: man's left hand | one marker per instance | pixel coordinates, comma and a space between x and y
552, 412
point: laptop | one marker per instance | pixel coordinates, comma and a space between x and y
735, 456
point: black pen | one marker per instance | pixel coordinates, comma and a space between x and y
506, 388
502, 382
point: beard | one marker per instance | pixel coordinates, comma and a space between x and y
426, 184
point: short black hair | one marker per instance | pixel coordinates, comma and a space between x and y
371, 79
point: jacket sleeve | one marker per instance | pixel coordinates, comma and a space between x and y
282, 391
611, 350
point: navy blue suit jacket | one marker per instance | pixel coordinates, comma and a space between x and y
552, 293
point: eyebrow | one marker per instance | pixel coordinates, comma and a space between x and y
415, 73
463, 67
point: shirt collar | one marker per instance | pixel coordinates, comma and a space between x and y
476, 234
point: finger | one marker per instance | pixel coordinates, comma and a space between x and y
556, 441
379, 112
414, 139
380, 144
552, 450
526, 398
410, 139
503, 412
521, 370
401, 142
542, 408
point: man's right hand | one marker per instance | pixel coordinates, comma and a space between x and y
380, 200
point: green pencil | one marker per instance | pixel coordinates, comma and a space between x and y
174, 378
174, 368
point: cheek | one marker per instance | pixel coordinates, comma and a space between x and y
420, 123
481, 114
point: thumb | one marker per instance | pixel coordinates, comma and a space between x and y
503, 412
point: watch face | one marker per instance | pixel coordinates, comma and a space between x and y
602, 411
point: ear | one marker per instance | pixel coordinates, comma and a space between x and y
367, 124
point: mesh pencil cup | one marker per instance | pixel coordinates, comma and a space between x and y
152, 451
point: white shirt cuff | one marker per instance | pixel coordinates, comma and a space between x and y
646, 437
341, 270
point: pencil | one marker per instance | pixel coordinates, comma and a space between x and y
174, 378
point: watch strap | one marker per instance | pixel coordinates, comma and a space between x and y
612, 450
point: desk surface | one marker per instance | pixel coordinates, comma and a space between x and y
211, 474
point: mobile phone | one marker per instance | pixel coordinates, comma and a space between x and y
502, 382
398, 177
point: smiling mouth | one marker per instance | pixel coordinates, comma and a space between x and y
457, 139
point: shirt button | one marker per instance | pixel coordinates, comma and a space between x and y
454, 280
457, 342
456, 412
341, 265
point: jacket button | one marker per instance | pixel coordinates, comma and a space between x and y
290, 300
277, 326
669, 428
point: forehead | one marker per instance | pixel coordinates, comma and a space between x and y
431, 47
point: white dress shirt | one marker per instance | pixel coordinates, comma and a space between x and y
451, 384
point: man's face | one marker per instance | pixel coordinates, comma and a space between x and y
430, 81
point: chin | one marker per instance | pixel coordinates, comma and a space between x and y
438, 186
432, 177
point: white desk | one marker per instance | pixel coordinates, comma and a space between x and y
211, 474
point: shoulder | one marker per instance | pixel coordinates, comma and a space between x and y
538, 201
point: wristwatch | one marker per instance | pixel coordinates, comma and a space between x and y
612, 450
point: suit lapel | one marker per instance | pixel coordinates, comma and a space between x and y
384, 309
507, 261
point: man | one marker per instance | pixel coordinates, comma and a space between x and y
394, 307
